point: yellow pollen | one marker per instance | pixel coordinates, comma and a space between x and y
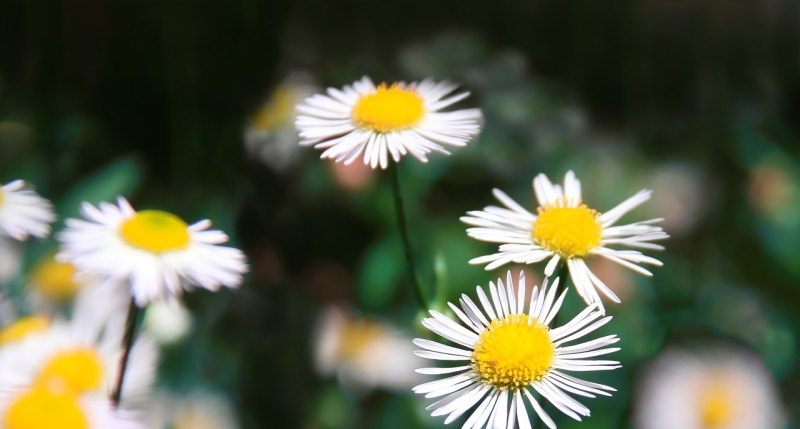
389, 108
567, 231
55, 279
2, 198
155, 231
23, 327
716, 407
74, 372
42, 409
513, 352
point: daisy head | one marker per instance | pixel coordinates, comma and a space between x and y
54, 280
155, 252
39, 407
564, 229
70, 359
270, 135
23, 212
719, 388
505, 351
373, 122
364, 353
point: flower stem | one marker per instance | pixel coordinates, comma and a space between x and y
127, 344
401, 222
562, 273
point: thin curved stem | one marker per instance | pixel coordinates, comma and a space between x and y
128, 338
399, 211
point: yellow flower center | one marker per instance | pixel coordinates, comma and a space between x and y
55, 279
358, 335
42, 409
277, 112
23, 327
716, 407
155, 231
1, 195
513, 352
567, 231
389, 108
75, 371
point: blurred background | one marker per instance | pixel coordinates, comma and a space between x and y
187, 106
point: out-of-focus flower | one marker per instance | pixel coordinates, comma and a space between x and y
197, 410
364, 353
22, 327
369, 122
76, 360
270, 134
54, 280
167, 322
11, 261
352, 177
504, 352
719, 388
23, 212
565, 228
154, 251
39, 408
774, 191
680, 196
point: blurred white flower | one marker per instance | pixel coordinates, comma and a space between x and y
680, 195
564, 228
23, 212
75, 359
53, 280
369, 122
270, 134
22, 327
363, 353
717, 388
167, 322
153, 251
197, 410
41, 408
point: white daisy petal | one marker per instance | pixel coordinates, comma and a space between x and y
23, 212
498, 366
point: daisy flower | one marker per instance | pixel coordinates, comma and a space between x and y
270, 135
364, 353
74, 360
198, 409
369, 122
53, 280
504, 352
154, 251
23, 212
565, 229
42, 408
718, 388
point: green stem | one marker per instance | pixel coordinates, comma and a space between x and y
401, 222
127, 344
562, 273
